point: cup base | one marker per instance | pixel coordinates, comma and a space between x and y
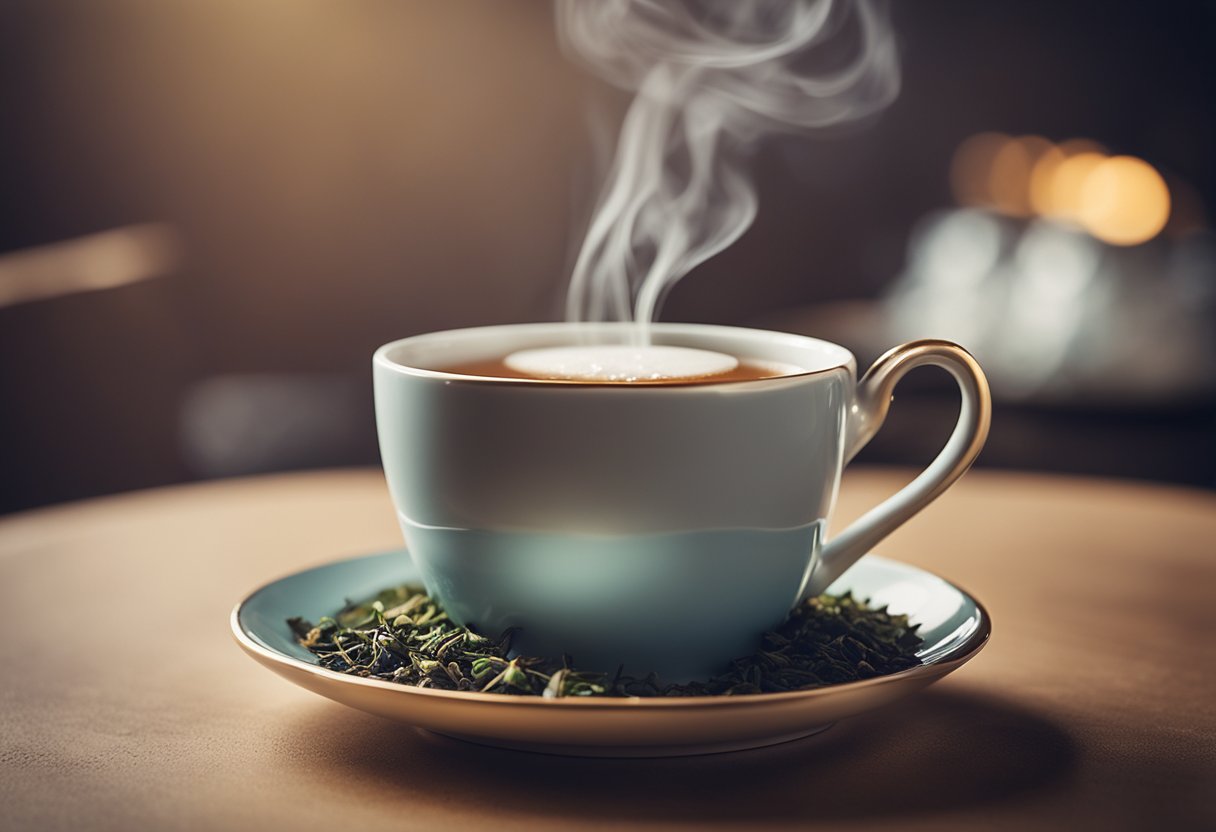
679, 604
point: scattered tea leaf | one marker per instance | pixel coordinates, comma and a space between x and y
402, 635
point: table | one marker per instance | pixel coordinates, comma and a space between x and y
125, 704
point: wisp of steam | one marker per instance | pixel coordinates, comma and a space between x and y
710, 77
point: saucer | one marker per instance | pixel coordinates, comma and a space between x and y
954, 627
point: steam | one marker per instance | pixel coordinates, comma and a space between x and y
711, 77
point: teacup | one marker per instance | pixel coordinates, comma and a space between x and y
659, 527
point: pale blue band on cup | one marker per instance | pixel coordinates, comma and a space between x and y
608, 599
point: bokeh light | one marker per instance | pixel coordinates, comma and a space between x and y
1046, 173
1067, 182
1120, 200
1124, 201
1009, 174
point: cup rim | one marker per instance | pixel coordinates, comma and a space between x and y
846, 361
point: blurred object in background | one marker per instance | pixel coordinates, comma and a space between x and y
98, 261
1056, 315
1059, 279
1057, 276
239, 425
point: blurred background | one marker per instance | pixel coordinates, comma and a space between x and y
214, 212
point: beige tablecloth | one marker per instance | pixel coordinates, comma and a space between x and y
125, 704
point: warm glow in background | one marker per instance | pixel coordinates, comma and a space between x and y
1120, 200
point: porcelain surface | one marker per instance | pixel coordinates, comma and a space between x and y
953, 624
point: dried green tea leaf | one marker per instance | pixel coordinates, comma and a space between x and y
403, 635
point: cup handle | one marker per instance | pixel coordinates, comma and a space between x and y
865, 417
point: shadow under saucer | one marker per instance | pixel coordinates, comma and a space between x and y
937, 751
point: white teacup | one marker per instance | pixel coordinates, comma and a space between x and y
661, 527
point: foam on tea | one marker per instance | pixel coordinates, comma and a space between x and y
623, 364
620, 363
